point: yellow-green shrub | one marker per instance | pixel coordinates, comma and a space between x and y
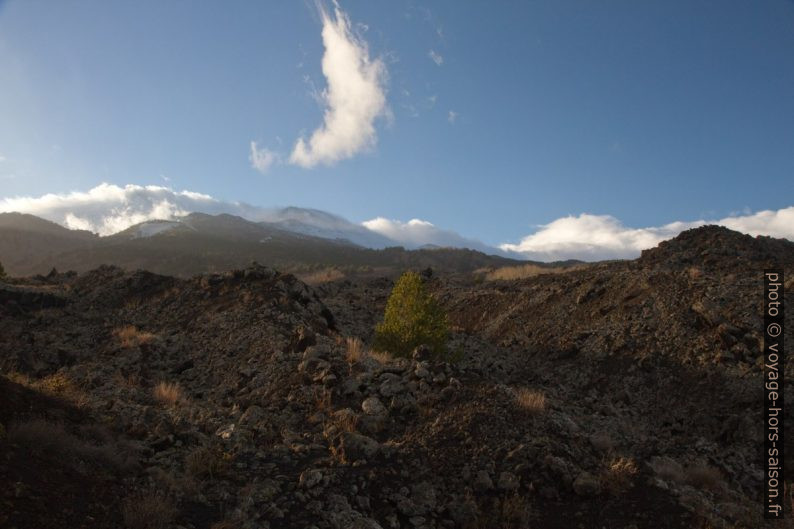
413, 317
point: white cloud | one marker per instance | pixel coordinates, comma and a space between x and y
778, 223
2, 158
107, 208
354, 99
417, 233
436, 57
73, 222
262, 158
452, 116
595, 237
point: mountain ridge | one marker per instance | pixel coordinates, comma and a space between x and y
201, 242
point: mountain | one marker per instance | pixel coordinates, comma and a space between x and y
199, 243
325, 225
27, 240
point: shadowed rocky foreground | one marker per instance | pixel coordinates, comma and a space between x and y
621, 395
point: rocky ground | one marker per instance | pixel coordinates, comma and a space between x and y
624, 395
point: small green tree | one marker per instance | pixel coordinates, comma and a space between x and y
413, 317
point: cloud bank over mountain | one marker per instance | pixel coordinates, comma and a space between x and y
108, 209
417, 233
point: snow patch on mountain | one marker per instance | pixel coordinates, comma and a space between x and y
153, 227
326, 225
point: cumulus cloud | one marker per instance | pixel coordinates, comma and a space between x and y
452, 116
436, 57
778, 223
354, 98
417, 233
590, 238
596, 237
261, 158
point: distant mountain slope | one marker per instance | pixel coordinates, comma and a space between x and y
201, 243
326, 225
27, 239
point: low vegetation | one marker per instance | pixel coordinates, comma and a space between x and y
358, 352
531, 401
413, 317
319, 277
618, 474
205, 462
58, 385
355, 350
131, 336
509, 273
168, 393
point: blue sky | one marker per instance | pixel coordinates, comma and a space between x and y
495, 119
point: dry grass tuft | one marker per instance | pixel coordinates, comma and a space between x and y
619, 474
357, 352
58, 385
130, 381
61, 385
382, 357
148, 511
322, 401
321, 276
704, 476
510, 273
168, 393
531, 401
205, 462
131, 336
694, 273
345, 422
